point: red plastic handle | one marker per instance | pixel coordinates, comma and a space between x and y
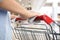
45, 18
17, 19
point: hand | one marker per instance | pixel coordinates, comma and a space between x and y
30, 14
35, 13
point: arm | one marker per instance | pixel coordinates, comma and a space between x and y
13, 6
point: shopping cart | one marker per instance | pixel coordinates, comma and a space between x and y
40, 32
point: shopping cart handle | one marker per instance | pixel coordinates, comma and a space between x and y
18, 19
45, 18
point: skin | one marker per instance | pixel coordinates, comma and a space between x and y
13, 6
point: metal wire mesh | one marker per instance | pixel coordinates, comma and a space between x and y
28, 33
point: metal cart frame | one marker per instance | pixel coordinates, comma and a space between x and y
21, 33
